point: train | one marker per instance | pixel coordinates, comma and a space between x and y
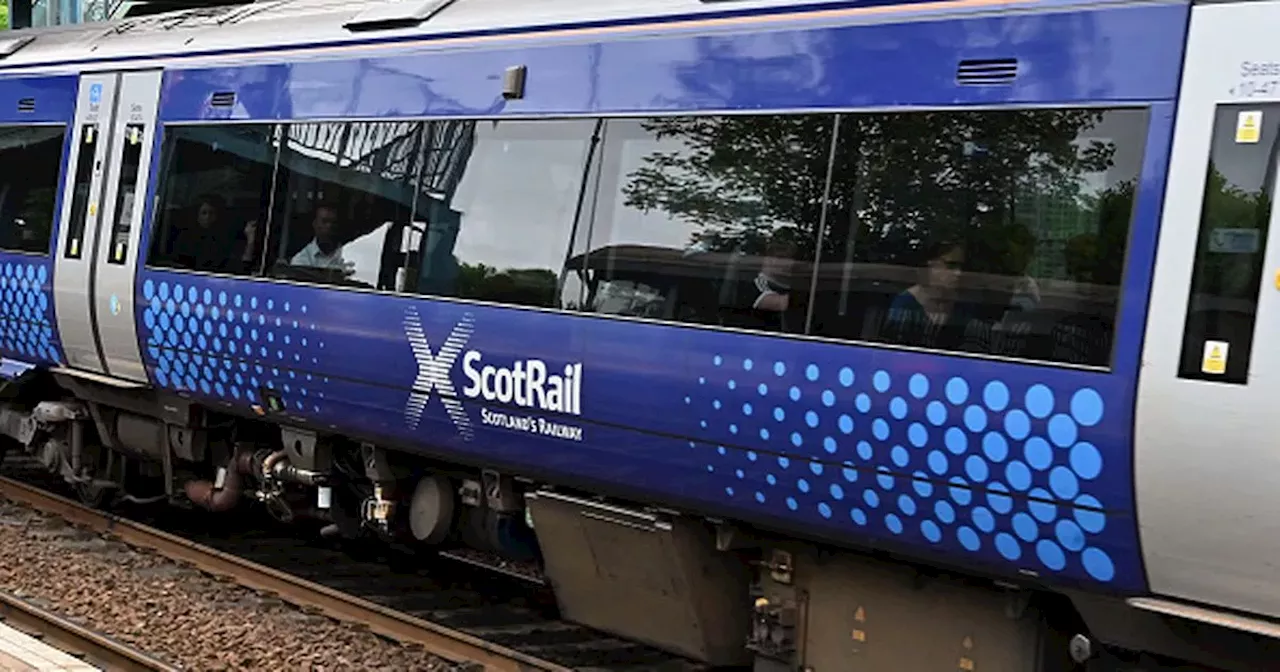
885, 335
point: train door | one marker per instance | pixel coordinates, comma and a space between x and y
101, 221
1207, 452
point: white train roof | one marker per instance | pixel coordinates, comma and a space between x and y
241, 32
274, 24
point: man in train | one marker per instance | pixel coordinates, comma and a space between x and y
324, 251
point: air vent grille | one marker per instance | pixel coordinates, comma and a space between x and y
26, 104
223, 99
987, 72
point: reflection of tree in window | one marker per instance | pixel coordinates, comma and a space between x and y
736, 178
899, 173
1228, 206
1043, 194
1231, 246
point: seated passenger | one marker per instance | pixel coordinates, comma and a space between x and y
928, 314
209, 245
767, 302
323, 251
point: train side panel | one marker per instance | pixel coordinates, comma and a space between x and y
1015, 468
978, 463
34, 117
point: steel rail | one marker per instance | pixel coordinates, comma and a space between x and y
91, 647
447, 643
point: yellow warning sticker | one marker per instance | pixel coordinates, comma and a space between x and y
1215, 357
1249, 127
93, 209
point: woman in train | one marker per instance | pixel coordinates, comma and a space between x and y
930, 313
209, 245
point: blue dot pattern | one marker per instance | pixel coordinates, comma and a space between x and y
232, 345
996, 469
27, 329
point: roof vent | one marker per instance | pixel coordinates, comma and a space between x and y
223, 99
987, 72
26, 105
392, 15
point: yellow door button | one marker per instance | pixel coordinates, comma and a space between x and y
1277, 279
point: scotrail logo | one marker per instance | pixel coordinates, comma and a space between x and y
526, 384
433, 372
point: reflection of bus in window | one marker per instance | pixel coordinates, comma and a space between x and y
1072, 321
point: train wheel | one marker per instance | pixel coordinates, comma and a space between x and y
93, 495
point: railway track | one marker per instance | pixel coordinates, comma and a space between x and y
461, 612
91, 647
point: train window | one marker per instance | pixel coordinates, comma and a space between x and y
80, 196
708, 220
344, 212
30, 162
992, 232
1235, 215
215, 189
126, 192
498, 202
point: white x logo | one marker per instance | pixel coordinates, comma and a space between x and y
433, 372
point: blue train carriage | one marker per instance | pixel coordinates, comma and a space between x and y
815, 327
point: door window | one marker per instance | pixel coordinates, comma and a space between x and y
1234, 220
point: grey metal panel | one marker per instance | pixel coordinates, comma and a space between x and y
113, 287
71, 277
1207, 459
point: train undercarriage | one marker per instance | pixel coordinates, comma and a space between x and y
717, 592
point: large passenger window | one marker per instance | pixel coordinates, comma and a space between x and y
30, 162
1231, 244
992, 232
215, 191
498, 205
709, 220
342, 216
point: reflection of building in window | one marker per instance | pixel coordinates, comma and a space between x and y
347, 202
500, 206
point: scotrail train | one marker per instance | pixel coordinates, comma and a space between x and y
900, 337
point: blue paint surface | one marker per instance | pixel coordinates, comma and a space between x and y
28, 328
54, 97
994, 465
231, 344
1125, 53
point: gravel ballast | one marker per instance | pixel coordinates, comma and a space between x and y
175, 613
